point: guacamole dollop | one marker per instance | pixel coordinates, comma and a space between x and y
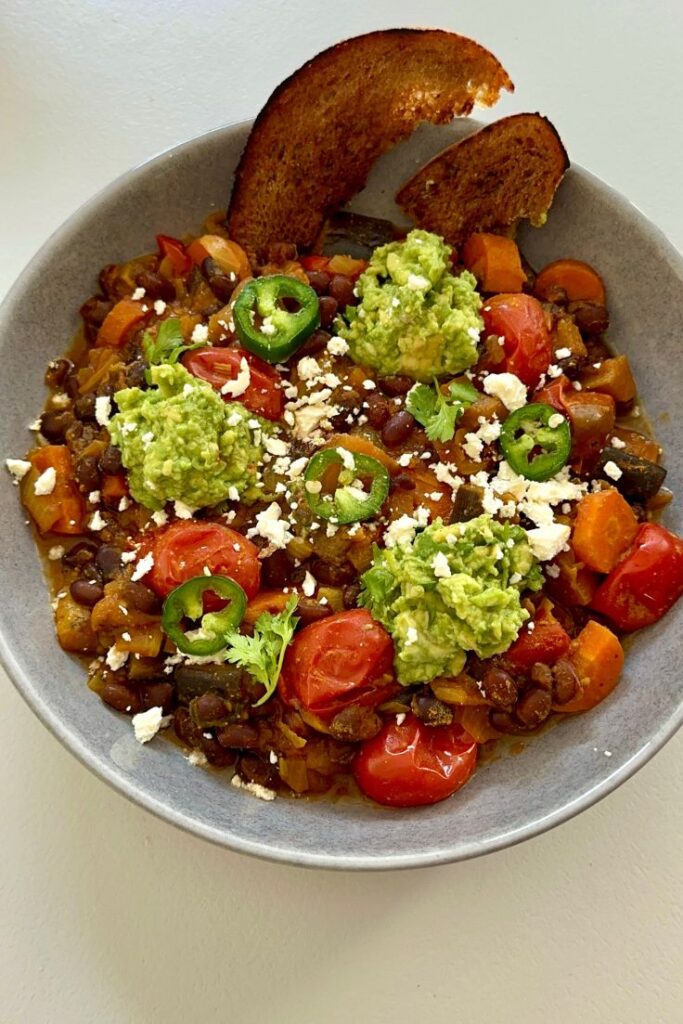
450, 590
180, 441
414, 316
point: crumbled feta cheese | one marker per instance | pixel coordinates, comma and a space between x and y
547, 541
400, 718
239, 385
116, 658
182, 510
272, 527
200, 334
553, 571
18, 468
276, 446
347, 458
577, 385
405, 459
509, 388
55, 553
611, 470
197, 758
337, 347
489, 430
159, 307
128, 556
268, 327
97, 523
442, 569
309, 584
473, 446
563, 353
94, 497
143, 567
369, 385
146, 724
616, 442
160, 518
138, 294
554, 370
556, 420
310, 413
272, 757
45, 484
253, 787
417, 281
103, 409
308, 368
401, 531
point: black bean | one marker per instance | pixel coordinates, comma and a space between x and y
318, 280
430, 710
94, 311
156, 287
209, 709
135, 374
395, 385
328, 310
108, 561
110, 460
332, 574
590, 318
403, 481
254, 769
121, 697
53, 424
157, 695
499, 687
315, 344
86, 592
398, 429
351, 594
379, 410
533, 707
87, 474
565, 682
310, 610
341, 289
84, 407
71, 384
353, 724
218, 281
56, 372
275, 569
80, 554
239, 736
542, 675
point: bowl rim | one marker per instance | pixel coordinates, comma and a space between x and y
277, 852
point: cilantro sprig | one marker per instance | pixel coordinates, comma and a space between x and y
437, 412
263, 653
168, 345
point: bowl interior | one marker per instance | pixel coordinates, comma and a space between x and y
510, 799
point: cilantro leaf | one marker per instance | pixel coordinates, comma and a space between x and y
263, 653
168, 345
439, 413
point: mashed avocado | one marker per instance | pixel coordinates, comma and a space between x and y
415, 317
453, 589
180, 441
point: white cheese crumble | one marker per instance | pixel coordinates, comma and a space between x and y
146, 724
271, 526
308, 368
268, 327
160, 518
128, 556
94, 497
18, 468
554, 370
97, 523
402, 530
253, 787
197, 758
138, 294
241, 382
159, 307
45, 484
417, 282
182, 510
563, 353
610, 469
509, 388
616, 442
116, 658
400, 718
200, 333
309, 584
144, 566
442, 569
369, 385
55, 553
276, 446
548, 541
103, 409
337, 347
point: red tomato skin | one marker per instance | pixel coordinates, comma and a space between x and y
264, 396
344, 659
412, 764
547, 642
182, 550
519, 319
174, 250
646, 583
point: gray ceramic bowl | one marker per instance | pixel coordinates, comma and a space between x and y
513, 798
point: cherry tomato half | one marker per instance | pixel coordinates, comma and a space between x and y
344, 659
181, 552
412, 764
520, 321
647, 583
264, 396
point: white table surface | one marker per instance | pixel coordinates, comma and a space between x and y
107, 914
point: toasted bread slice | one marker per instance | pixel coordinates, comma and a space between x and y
313, 144
504, 173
